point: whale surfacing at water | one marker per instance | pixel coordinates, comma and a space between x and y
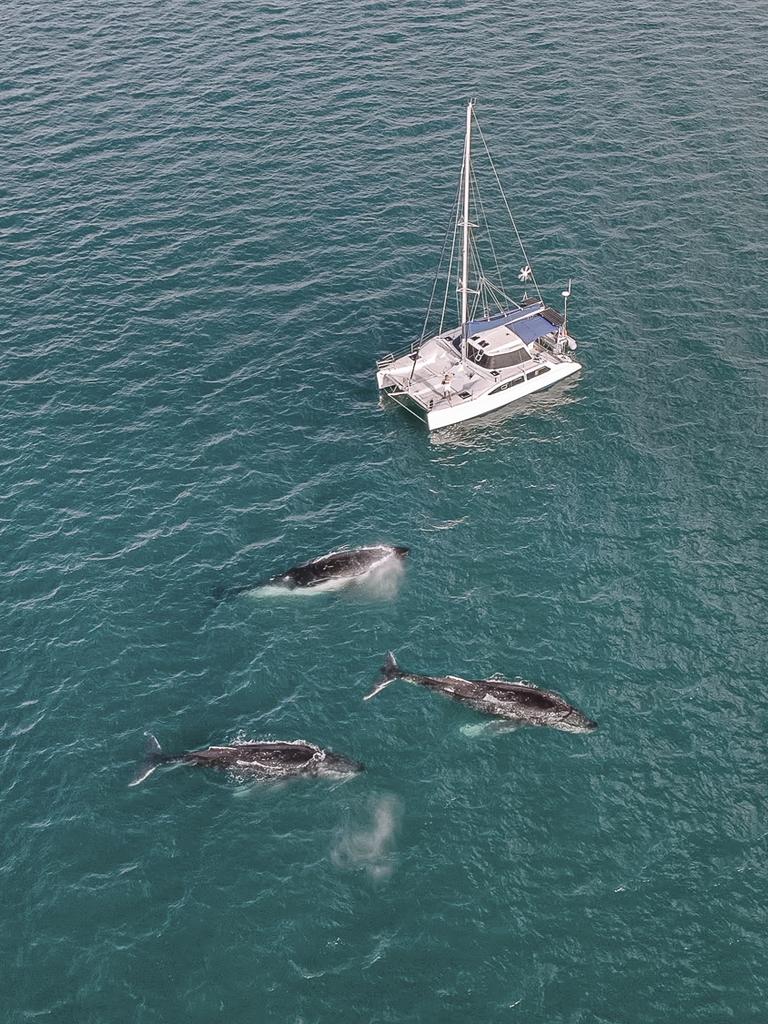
516, 702
333, 571
262, 760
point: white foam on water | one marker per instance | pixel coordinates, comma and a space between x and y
274, 590
449, 524
383, 580
368, 844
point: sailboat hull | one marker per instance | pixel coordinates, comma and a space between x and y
440, 388
488, 403
446, 416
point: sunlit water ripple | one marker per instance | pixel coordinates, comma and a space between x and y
215, 218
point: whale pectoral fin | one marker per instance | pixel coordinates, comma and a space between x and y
501, 726
489, 728
473, 729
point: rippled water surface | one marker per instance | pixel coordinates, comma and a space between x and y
215, 217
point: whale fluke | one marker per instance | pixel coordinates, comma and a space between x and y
389, 672
153, 757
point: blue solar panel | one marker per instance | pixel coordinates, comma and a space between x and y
535, 327
528, 327
478, 326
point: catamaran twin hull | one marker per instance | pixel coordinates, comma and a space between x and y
507, 357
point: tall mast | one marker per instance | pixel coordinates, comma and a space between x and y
465, 241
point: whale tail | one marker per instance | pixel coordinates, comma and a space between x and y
389, 671
153, 757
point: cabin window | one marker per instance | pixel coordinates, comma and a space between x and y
507, 384
519, 380
500, 362
514, 358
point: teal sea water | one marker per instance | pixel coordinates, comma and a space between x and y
215, 217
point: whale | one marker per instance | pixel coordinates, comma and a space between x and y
261, 760
333, 571
517, 703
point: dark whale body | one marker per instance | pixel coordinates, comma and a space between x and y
265, 760
520, 703
338, 565
330, 572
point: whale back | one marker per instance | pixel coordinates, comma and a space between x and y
336, 565
268, 755
529, 704
523, 695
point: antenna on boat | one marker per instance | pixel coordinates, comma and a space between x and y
566, 295
465, 236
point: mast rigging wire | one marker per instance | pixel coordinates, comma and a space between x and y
506, 204
494, 292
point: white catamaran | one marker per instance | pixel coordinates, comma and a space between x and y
501, 351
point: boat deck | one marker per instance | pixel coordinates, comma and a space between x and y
441, 380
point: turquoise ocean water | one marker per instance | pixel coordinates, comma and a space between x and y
215, 217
